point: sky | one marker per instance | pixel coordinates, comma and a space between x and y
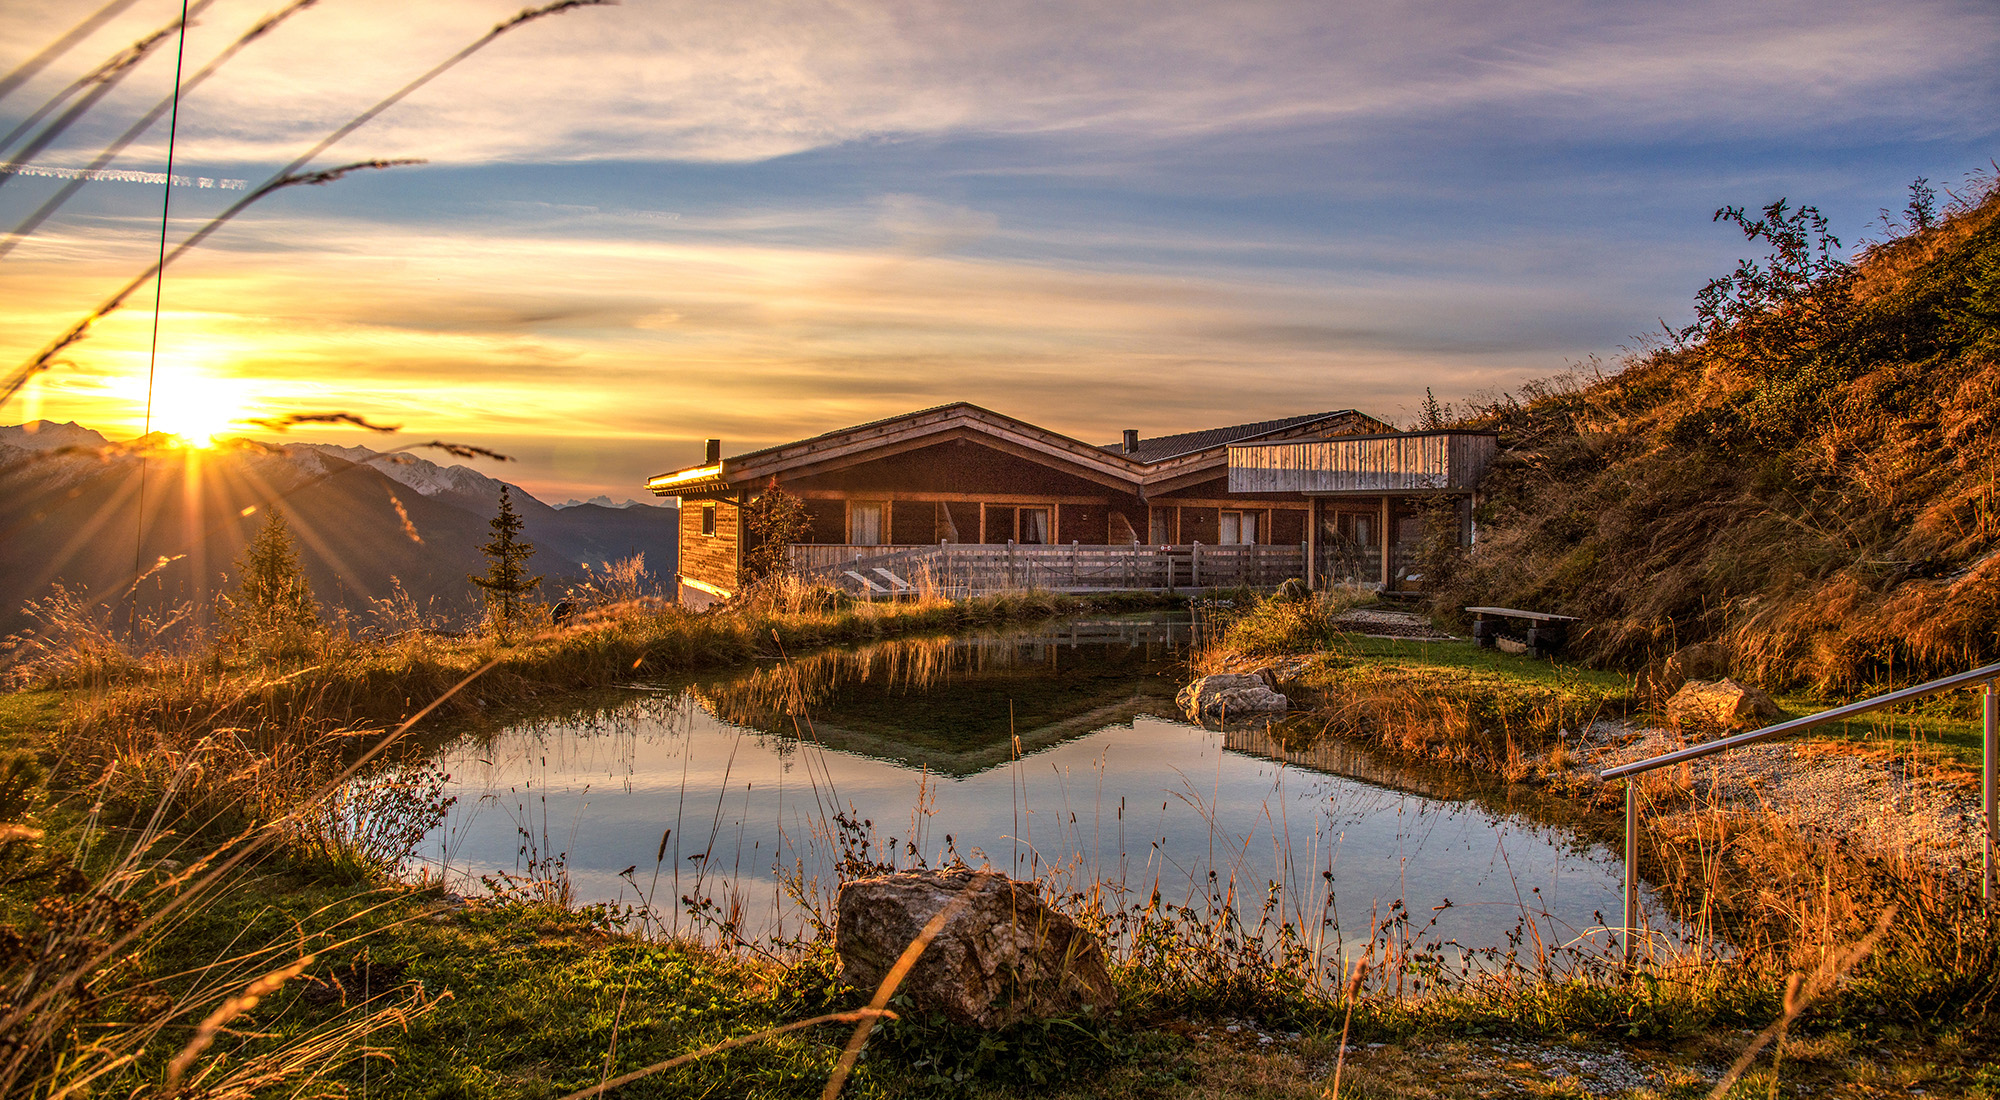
639, 226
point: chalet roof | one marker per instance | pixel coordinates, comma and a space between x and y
1160, 464
1163, 447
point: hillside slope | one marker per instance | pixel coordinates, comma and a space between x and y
1809, 476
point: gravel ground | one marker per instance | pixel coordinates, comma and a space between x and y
1379, 623
1884, 803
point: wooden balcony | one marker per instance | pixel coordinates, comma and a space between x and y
1407, 463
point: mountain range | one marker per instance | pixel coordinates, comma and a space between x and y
92, 515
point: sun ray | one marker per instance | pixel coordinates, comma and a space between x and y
198, 406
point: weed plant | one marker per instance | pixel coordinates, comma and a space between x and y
1807, 478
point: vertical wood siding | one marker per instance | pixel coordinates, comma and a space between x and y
1451, 461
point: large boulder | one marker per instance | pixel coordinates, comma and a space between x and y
1720, 705
1699, 661
1001, 957
1231, 695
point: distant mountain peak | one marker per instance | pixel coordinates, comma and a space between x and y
603, 501
47, 435
421, 474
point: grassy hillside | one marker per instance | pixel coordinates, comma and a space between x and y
1808, 475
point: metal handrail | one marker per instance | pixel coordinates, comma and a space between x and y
1990, 783
1797, 725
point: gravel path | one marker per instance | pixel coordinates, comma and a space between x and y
1884, 803
1382, 623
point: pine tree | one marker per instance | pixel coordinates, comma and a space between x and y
505, 581
273, 598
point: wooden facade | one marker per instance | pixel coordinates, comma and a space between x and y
1409, 462
711, 552
962, 476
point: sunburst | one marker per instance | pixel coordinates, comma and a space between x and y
199, 407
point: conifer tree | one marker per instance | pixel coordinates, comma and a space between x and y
506, 581
273, 596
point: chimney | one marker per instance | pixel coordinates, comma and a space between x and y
711, 452
1131, 441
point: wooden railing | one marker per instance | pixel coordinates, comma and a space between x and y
971, 569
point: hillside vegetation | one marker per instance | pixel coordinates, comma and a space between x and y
1808, 475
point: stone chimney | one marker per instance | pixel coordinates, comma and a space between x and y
711, 452
1131, 441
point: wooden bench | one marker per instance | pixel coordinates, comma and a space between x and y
1543, 637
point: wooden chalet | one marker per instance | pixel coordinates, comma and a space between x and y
976, 501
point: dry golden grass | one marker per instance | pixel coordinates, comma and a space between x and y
1827, 515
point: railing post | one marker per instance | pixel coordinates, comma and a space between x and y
1989, 760
1631, 869
1194, 564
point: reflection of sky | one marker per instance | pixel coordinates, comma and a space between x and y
647, 224
1160, 792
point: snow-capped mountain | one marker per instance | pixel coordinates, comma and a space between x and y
458, 483
365, 522
603, 501
46, 435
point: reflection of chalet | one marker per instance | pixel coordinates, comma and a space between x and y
960, 476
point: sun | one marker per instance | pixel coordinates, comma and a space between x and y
199, 407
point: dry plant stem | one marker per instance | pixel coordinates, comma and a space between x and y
865, 1015
458, 450
27, 69
285, 177
204, 1036
1796, 1002
1353, 993
252, 845
888, 989
34, 221
47, 357
105, 77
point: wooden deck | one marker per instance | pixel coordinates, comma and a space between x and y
958, 570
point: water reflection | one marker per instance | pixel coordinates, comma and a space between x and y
958, 706
1054, 754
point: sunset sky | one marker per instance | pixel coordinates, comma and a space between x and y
643, 225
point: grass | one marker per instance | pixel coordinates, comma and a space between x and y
1810, 488
504, 998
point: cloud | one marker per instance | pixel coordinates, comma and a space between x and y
725, 82
440, 330
663, 221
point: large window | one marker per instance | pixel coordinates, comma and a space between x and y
708, 519
864, 523
1162, 532
1239, 528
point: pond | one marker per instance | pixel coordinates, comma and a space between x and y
726, 805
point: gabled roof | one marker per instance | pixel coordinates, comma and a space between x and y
1163, 447
1158, 464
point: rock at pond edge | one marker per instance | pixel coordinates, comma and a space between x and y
1231, 695
1004, 956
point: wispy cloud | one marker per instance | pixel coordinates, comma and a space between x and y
657, 222
730, 82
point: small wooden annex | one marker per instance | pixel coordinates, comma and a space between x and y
961, 475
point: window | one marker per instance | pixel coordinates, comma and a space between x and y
708, 519
1162, 532
1034, 525
864, 523
1239, 528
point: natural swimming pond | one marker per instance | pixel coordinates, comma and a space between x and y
727, 804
